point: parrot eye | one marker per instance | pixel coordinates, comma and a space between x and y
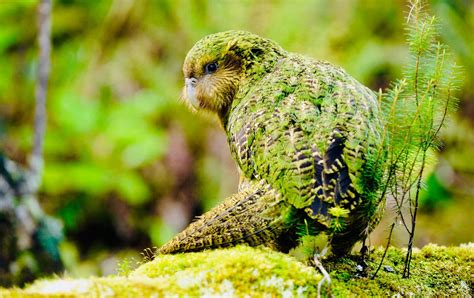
210, 68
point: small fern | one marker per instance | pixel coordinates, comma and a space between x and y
414, 109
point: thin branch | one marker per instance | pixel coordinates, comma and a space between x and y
406, 270
389, 239
44, 45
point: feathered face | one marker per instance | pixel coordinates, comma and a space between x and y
212, 74
217, 64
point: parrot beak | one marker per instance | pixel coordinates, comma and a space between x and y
190, 84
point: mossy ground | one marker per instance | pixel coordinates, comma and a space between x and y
248, 271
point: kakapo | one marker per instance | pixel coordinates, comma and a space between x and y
306, 137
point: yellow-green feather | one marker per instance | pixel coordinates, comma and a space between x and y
306, 137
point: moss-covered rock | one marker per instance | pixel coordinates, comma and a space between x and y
243, 270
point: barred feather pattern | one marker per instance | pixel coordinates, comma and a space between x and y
309, 137
306, 137
254, 216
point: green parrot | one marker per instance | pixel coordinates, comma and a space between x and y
306, 136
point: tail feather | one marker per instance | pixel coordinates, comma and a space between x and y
253, 216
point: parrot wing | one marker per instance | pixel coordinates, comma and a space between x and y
306, 129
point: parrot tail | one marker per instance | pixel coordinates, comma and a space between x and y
255, 216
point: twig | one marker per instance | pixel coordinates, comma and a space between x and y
406, 269
326, 277
386, 249
44, 44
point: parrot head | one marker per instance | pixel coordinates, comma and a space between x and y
217, 64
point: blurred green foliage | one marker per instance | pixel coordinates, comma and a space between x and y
127, 165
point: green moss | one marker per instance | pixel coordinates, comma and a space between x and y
435, 270
243, 270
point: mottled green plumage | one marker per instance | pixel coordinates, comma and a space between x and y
306, 137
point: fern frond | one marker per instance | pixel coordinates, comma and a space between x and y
414, 110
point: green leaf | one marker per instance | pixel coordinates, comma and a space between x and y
8, 37
75, 114
146, 150
160, 232
132, 188
78, 176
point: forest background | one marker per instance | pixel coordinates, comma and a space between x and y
127, 165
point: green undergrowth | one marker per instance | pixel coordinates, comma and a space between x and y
243, 270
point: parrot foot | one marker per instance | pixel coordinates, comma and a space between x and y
362, 268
